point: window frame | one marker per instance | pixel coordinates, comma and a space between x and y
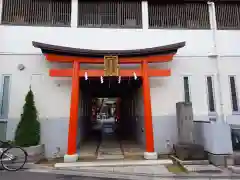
189, 88
214, 94
5, 116
230, 93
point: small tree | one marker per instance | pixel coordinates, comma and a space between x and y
28, 130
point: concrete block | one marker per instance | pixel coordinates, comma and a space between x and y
150, 155
220, 159
70, 158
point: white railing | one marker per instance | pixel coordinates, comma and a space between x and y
118, 14
228, 15
110, 14
179, 16
36, 12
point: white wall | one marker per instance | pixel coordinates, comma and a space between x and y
49, 93
17, 49
53, 94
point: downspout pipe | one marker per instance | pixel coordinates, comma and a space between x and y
216, 56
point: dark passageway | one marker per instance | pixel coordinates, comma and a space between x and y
110, 117
111, 88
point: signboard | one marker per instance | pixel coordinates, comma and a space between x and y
111, 66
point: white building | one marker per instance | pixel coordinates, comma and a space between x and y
204, 71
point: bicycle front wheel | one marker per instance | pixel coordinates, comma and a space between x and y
13, 158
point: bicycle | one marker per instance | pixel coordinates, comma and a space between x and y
9, 156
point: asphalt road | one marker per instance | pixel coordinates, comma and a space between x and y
23, 175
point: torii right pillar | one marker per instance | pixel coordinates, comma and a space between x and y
149, 154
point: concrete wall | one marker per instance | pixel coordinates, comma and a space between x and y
52, 95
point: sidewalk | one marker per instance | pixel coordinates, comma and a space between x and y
132, 176
129, 172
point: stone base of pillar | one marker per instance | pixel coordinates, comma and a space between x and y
150, 155
70, 158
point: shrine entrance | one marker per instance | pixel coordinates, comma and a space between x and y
111, 129
111, 61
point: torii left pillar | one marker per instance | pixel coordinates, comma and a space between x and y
149, 154
72, 155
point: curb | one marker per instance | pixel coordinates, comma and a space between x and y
113, 163
37, 166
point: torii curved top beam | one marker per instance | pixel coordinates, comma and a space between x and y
69, 54
69, 51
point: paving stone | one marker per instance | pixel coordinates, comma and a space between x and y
110, 150
159, 169
202, 168
88, 150
111, 169
110, 157
131, 148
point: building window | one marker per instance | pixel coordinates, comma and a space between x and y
187, 98
110, 14
234, 97
179, 16
210, 90
228, 15
235, 133
37, 12
4, 96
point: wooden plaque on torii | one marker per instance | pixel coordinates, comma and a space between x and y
111, 66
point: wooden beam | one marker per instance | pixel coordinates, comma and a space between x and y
147, 109
60, 72
98, 73
149, 59
122, 60
159, 72
91, 73
73, 121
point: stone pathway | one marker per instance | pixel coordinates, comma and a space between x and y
88, 150
110, 150
131, 149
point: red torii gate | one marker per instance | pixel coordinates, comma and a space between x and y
77, 56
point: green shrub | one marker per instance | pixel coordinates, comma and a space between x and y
28, 130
